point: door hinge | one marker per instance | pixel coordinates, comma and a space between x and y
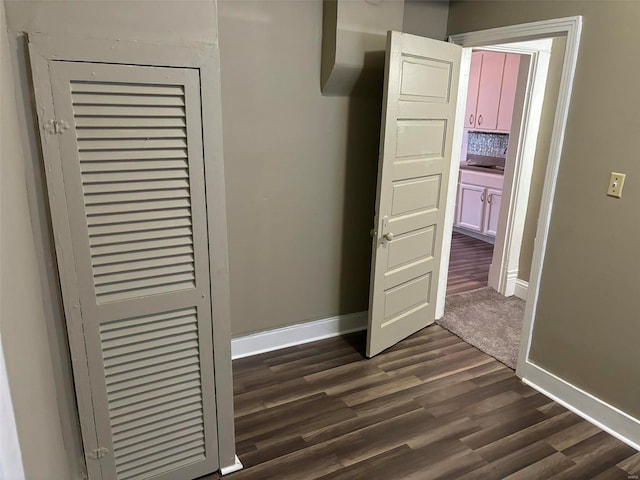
98, 453
55, 127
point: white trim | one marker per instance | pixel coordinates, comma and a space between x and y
571, 28
521, 289
503, 270
456, 152
531, 46
509, 283
607, 417
523, 32
519, 169
234, 467
292, 335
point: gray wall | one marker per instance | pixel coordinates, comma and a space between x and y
300, 167
300, 171
22, 316
541, 157
587, 328
427, 18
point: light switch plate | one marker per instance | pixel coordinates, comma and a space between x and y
616, 182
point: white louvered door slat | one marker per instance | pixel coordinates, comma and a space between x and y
133, 168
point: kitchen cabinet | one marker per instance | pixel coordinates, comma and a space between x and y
493, 199
492, 88
471, 207
508, 91
478, 202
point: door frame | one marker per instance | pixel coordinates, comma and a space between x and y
205, 59
571, 28
523, 139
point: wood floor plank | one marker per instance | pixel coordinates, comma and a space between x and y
527, 436
519, 409
387, 435
631, 464
613, 473
374, 466
506, 465
363, 419
392, 385
594, 455
572, 435
430, 407
489, 434
441, 431
469, 263
545, 468
449, 462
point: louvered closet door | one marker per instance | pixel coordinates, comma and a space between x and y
132, 158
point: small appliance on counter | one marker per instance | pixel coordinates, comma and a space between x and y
485, 161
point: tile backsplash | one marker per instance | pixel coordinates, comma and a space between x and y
488, 144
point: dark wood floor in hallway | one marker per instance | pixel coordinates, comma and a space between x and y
430, 407
469, 263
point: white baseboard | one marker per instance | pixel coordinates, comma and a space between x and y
521, 289
510, 283
607, 417
237, 465
278, 338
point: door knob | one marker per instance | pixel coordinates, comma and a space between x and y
388, 236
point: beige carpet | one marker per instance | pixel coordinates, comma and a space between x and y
486, 320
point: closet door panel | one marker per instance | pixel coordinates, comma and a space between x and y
130, 150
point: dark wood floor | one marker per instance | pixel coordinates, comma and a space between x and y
430, 407
469, 263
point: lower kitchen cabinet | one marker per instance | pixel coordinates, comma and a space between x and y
492, 211
478, 202
470, 207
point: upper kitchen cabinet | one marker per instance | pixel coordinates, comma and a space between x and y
492, 88
508, 91
489, 90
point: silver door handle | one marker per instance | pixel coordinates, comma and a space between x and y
489, 199
471, 119
388, 236
482, 197
479, 119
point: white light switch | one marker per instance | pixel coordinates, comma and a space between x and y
616, 182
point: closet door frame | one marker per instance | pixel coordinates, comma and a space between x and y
204, 58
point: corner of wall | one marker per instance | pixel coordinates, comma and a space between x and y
26, 351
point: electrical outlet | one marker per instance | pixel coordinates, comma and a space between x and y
616, 182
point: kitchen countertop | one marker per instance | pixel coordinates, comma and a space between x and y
475, 168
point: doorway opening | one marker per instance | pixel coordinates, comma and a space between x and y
421, 143
497, 196
501, 83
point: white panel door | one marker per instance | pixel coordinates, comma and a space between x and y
420, 94
470, 214
130, 149
492, 214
